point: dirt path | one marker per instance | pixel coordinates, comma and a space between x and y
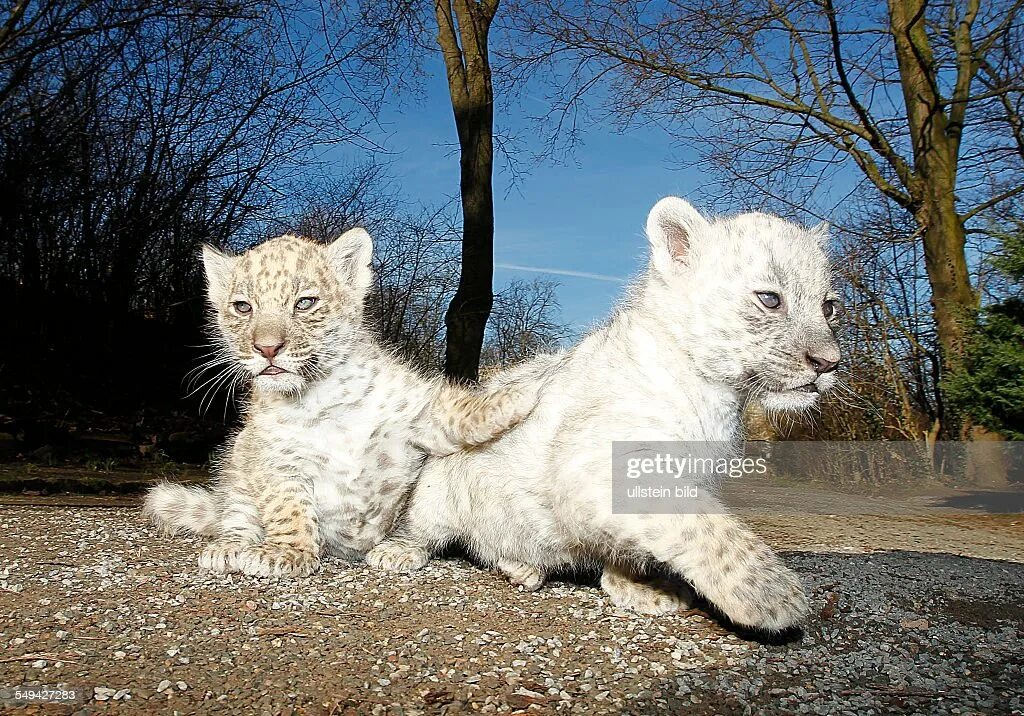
90, 597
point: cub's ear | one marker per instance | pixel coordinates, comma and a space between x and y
350, 254
218, 267
822, 232
670, 228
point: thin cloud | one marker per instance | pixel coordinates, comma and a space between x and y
561, 272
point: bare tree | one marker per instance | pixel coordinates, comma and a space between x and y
892, 364
324, 207
921, 101
417, 270
399, 36
33, 32
130, 133
462, 31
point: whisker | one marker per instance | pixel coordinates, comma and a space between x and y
208, 381
212, 391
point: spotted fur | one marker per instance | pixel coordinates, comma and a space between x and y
335, 428
677, 362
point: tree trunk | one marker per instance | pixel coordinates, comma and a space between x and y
463, 26
953, 298
935, 139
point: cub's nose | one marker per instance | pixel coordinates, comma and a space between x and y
821, 365
268, 351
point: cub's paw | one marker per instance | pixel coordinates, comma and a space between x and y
521, 575
397, 557
221, 557
628, 592
772, 599
274, 560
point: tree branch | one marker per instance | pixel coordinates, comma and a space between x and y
992, 201
448, 41
966, 69
876, 140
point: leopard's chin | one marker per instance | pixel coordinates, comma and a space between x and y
795, 399
790, 401
283, 382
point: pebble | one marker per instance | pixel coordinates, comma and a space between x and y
102, 693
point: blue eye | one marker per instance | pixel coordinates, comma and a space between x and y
304, 304
242, 307
769, 299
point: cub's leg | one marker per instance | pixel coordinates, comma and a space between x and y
458, 417
726, 563
528, 578
628, 589
239, 523
409, 550
428, 523
291, 545
239, 527
422, 531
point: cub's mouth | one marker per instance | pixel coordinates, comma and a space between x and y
808, 388
272, 370
794, 399
811, 388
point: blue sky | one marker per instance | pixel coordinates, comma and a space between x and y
586, 217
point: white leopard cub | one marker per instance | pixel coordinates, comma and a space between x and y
729, 310
335, 428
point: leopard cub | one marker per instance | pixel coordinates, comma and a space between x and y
335, 428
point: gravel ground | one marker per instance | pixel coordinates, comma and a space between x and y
908, 619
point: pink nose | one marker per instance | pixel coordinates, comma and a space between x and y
821, 365
268, 352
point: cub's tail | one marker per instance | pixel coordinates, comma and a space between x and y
461, 417
180, 508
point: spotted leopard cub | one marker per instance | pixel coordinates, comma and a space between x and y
335, 428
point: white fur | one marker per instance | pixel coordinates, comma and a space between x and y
677, 362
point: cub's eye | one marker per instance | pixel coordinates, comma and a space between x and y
830, 308
242, 307
304, 304
769, 299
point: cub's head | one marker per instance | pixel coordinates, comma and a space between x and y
750, 297
285, 308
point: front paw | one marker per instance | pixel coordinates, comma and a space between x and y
397, 557
773, 600
221, 557
274, 560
